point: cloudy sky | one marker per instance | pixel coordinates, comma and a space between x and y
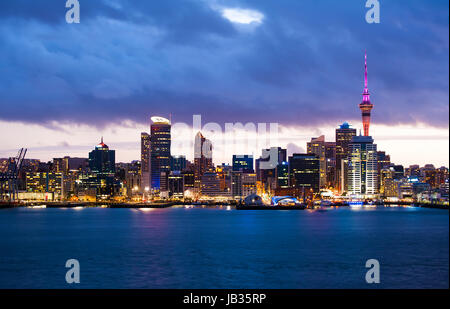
295, 63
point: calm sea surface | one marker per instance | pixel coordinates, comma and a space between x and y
222, 248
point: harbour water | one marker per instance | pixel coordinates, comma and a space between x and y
220, 247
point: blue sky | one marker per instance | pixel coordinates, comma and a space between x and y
298, 63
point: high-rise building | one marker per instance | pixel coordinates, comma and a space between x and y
145, 161
248, 184
242, 184
176, 184
188, 180
202, 159
428, 175
366, 106
362, 166
413, 171
236, 185
386, 183
344, 135
210, 185
177, 163
317, 146
441, 176
224, 174
330, 158
243, 163
160, 141
304, 171
45, 183
383, 162
399, 171
283, 175
103, 167
266, 167
102, 160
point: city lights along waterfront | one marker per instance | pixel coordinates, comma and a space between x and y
278, 220
351, 170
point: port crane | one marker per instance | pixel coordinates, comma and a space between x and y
9, 174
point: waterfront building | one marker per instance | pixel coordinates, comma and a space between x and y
177, 163
344, 135
188, 180
129, 175
317, 146
202, 159
160, 141
102, 160
176, 184
101, 178
420, 187
283, 175
405, 190
412, 171
145, 161
304, 172
243, 163
362, 166
45, 182
266, 167
330, 158
399, 171
224, 174
387, 184
248, 184
383, 162
428, 174
236, 185
441, 176
243, 184
210, 185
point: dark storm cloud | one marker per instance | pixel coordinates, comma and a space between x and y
301, 65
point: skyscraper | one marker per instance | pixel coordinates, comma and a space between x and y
102, 160
317, 146
362, 166
366, 106
177, 163
145, 161
304, 171
344, 135
202, 159
159, 152
102, 164
243, 163
266, 167
283, 175
330, 158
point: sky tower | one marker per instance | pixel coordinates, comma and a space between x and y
365, 105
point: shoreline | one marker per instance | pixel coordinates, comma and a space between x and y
171, 204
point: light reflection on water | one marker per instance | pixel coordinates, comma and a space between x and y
221, 247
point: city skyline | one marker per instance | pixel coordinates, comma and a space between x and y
128, 146
289, 72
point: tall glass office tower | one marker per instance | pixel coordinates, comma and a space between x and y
160, 141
